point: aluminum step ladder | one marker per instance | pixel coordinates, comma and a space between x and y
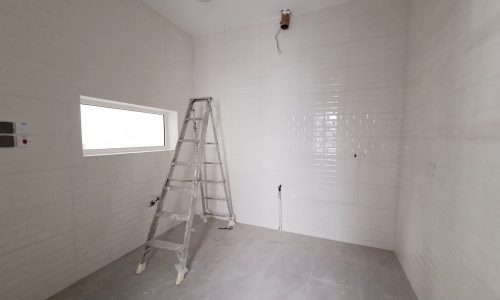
198, 186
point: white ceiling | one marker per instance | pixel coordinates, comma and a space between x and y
200, 19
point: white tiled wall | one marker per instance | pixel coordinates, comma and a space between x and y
448, 237
298, 118
63, 216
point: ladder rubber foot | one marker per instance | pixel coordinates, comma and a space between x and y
231, 223
140, 268
180, 278
181, 273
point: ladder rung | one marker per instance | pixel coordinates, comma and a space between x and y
183, 163
174, 188
195, 141
218, 199
181, 180
194, 119
212, 181
217, 215
188, 141
173, 216
165, 245
200, 99
191, 180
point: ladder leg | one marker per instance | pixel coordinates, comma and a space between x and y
203, 199
229, 203
159, 206
205, 185
183, 257
202, 186
152, 230
182, 266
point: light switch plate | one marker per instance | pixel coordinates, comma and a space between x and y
21, 127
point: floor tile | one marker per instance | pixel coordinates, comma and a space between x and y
278, 284
250, 263
293, 260
334, 271
298, 241
319, 290
228, 292
241, 274
342, 251
385, 284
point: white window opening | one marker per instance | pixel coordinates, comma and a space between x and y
110, 127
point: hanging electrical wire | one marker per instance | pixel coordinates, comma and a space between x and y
276, 37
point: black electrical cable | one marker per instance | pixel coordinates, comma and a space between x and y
276, 36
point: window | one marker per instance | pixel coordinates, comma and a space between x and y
110, 127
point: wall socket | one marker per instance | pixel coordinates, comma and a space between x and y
22, 141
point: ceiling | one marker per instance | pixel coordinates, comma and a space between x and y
199, 19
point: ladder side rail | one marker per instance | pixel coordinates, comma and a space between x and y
225, 184
181, 268
198, 165
160, 204
178, 146
204, 176
203, 169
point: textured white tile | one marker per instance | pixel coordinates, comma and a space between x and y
62, 216
298, 118
447, 238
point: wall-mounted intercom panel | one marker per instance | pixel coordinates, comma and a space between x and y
14, 134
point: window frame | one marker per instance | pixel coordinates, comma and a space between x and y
170, 127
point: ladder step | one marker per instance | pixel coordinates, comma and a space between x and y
188, 141
183, 163
217, 215
200, 99
191, 180
173, 216
165, 245
181, 180
194, 119
195, 141
218, 199
174, 188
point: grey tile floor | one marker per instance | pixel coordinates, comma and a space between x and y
251, 263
